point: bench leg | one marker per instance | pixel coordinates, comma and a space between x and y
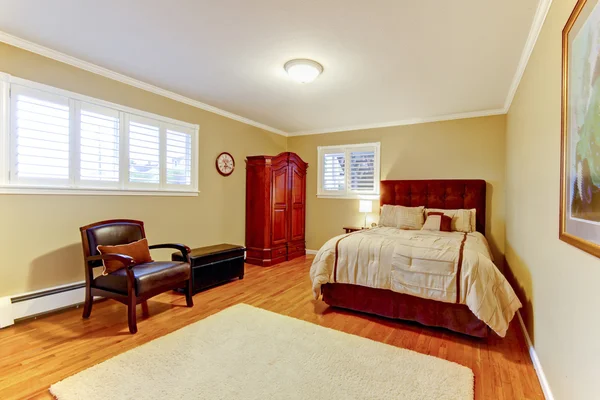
189, 293
145, 311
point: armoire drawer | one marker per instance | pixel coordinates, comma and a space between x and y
295, 248
280, 252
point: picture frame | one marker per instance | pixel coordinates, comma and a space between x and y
580, 129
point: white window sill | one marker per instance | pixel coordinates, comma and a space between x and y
349, 196
94, 191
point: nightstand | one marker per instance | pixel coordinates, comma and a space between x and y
350, 229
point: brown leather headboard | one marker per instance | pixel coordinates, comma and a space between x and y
437, 193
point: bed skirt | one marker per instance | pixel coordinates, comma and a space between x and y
386, 303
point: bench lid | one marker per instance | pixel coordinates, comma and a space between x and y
215, 249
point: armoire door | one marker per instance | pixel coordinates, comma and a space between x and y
297, 203
279, 220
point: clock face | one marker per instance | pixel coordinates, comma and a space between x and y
225, 164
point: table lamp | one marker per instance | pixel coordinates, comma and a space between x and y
365, 206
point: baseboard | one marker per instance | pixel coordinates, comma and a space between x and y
311, 251
27, 305
536, 361
6, 318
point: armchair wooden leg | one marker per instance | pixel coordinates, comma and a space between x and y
89, 300
145, 311
189, 293
131, 318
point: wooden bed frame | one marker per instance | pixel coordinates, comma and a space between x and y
444, 194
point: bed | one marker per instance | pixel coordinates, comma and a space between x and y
450, 280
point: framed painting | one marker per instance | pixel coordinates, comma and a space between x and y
580, 148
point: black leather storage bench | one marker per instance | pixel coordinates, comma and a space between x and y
213, 265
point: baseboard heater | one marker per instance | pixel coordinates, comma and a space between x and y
32, 304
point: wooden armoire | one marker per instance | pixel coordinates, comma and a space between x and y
275, 208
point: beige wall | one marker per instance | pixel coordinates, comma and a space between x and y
560, 282
467, 148
39, 240
40, 245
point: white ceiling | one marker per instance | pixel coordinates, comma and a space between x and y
384, 60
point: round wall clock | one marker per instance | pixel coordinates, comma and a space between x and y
225, 164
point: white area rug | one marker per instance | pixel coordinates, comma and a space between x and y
245, 352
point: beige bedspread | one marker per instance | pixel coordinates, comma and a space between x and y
452, 267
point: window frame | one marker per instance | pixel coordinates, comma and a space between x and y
86, 187
347, 193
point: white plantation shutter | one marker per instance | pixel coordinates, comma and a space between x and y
144, 151
55, 139
179, 158
99, 145
350, 171
362, 170
40, 136
334, 171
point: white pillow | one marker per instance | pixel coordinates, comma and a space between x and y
433, 223
462, 220
402, 217
387, 216
437, 222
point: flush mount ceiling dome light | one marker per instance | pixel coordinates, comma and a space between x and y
303, 70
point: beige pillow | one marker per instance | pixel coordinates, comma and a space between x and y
402, 217
387, 217
437, 221
462, 220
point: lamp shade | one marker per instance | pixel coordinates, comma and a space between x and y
365, 206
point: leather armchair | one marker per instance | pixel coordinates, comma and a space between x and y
135, 283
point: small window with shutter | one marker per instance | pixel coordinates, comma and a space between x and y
334, 171
350, 171
362, 170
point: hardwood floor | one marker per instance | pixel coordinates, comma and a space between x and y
36, 353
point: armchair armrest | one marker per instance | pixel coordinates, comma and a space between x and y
185, 250
127, 261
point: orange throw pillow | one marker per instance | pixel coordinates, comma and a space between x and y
139, 251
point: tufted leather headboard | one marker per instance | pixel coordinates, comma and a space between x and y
437, 193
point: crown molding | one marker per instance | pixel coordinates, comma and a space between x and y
76, 62
536, 27
534, 32
412, 121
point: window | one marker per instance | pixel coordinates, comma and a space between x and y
40, 137
99, 145
334, 171
57, 140
350, 171
179, 158
144, 153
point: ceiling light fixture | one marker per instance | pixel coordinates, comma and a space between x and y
303, 70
